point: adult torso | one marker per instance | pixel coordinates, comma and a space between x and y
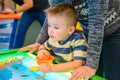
39, 5
112, 17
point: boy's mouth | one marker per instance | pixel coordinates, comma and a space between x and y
51, 36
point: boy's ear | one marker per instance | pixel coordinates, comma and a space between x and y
72, 29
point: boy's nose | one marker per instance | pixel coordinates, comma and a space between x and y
51, 30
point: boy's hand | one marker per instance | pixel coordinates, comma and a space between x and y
32, 48
45, 67
43, 53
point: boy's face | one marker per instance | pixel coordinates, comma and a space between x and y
58, 29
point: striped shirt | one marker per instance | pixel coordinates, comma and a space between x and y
74, 48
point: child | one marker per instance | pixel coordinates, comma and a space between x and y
63, 40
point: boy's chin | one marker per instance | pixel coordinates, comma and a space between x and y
53, 39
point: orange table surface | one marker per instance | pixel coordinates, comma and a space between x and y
9, 16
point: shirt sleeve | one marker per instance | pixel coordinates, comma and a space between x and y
43, 35
96, 15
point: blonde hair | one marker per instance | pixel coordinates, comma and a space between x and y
66, 10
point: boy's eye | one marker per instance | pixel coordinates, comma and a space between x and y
56, 27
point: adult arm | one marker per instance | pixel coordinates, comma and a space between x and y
43, 35
27, 5
96, 16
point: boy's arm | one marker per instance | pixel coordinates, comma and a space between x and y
67, 66
45, 67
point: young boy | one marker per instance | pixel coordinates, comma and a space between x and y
63, 40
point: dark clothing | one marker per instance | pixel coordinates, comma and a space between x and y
110, 57
38, 5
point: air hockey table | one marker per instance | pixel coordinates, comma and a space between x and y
15, 66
